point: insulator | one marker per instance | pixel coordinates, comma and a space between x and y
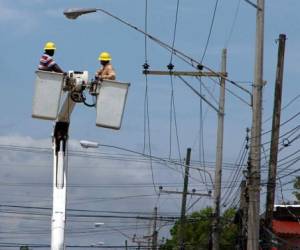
146, 66
200, 66
170, 66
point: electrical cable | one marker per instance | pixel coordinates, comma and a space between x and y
145, 66
284, 107
233, 23
194, 63
173, 111
210, 31
174, 32
201, 135
199, 94
229, 192
146, 105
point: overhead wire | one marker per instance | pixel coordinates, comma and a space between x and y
285, 106
236, 174
201, 136
146, 105
75, 153
210, 30
233, 23
194, 63
172, 101
146, 79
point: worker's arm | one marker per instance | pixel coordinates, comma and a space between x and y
57, 69
98, 73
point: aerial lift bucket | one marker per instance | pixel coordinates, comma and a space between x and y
110, 104
47, 95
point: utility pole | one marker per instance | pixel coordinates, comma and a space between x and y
126, 245
220, 111
274, 139
219, 160
255, 149
180, 75
140, 241
242, 217
154, 233
183, 201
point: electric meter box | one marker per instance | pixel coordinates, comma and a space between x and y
110, 104
47, 95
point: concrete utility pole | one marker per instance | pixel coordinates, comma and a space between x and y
154, 233
179, 74
219, 159
275, 138
255, 148
242, 217
183, 201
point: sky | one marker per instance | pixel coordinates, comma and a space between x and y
111, 180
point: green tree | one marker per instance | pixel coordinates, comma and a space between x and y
297, 187
24, 248
198, 231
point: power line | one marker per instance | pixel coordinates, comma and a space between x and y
233, 23
174, 32
210, 30
194, 63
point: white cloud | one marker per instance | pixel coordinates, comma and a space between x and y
22, 20
95, 183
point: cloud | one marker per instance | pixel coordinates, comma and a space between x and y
97, 180
22, 20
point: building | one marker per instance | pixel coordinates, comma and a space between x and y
286, 227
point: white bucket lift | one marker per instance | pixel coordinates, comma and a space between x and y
47, 95
111, 97
110, 104
49, 88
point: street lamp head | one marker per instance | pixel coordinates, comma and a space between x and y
100, 243
98, 224
74, 13
89, 144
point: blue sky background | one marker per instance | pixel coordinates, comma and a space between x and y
25, 26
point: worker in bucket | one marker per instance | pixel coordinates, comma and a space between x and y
47, 62
106, 72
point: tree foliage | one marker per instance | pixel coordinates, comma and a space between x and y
198, 231
24, 248
297, 187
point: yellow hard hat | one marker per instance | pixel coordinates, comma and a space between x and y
104, 56
50, 46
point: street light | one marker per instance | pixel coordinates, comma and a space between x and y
74, 13
98, 224
89, 144
99, 243
92, 144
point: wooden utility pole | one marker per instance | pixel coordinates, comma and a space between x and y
126, 245
274, 138
219, 160
183, 201
255, 148
154, 232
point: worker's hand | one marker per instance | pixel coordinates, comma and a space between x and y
98, 78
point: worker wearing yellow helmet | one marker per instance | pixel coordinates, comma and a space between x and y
47, 62
106, 72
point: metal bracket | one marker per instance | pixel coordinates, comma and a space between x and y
253, 5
